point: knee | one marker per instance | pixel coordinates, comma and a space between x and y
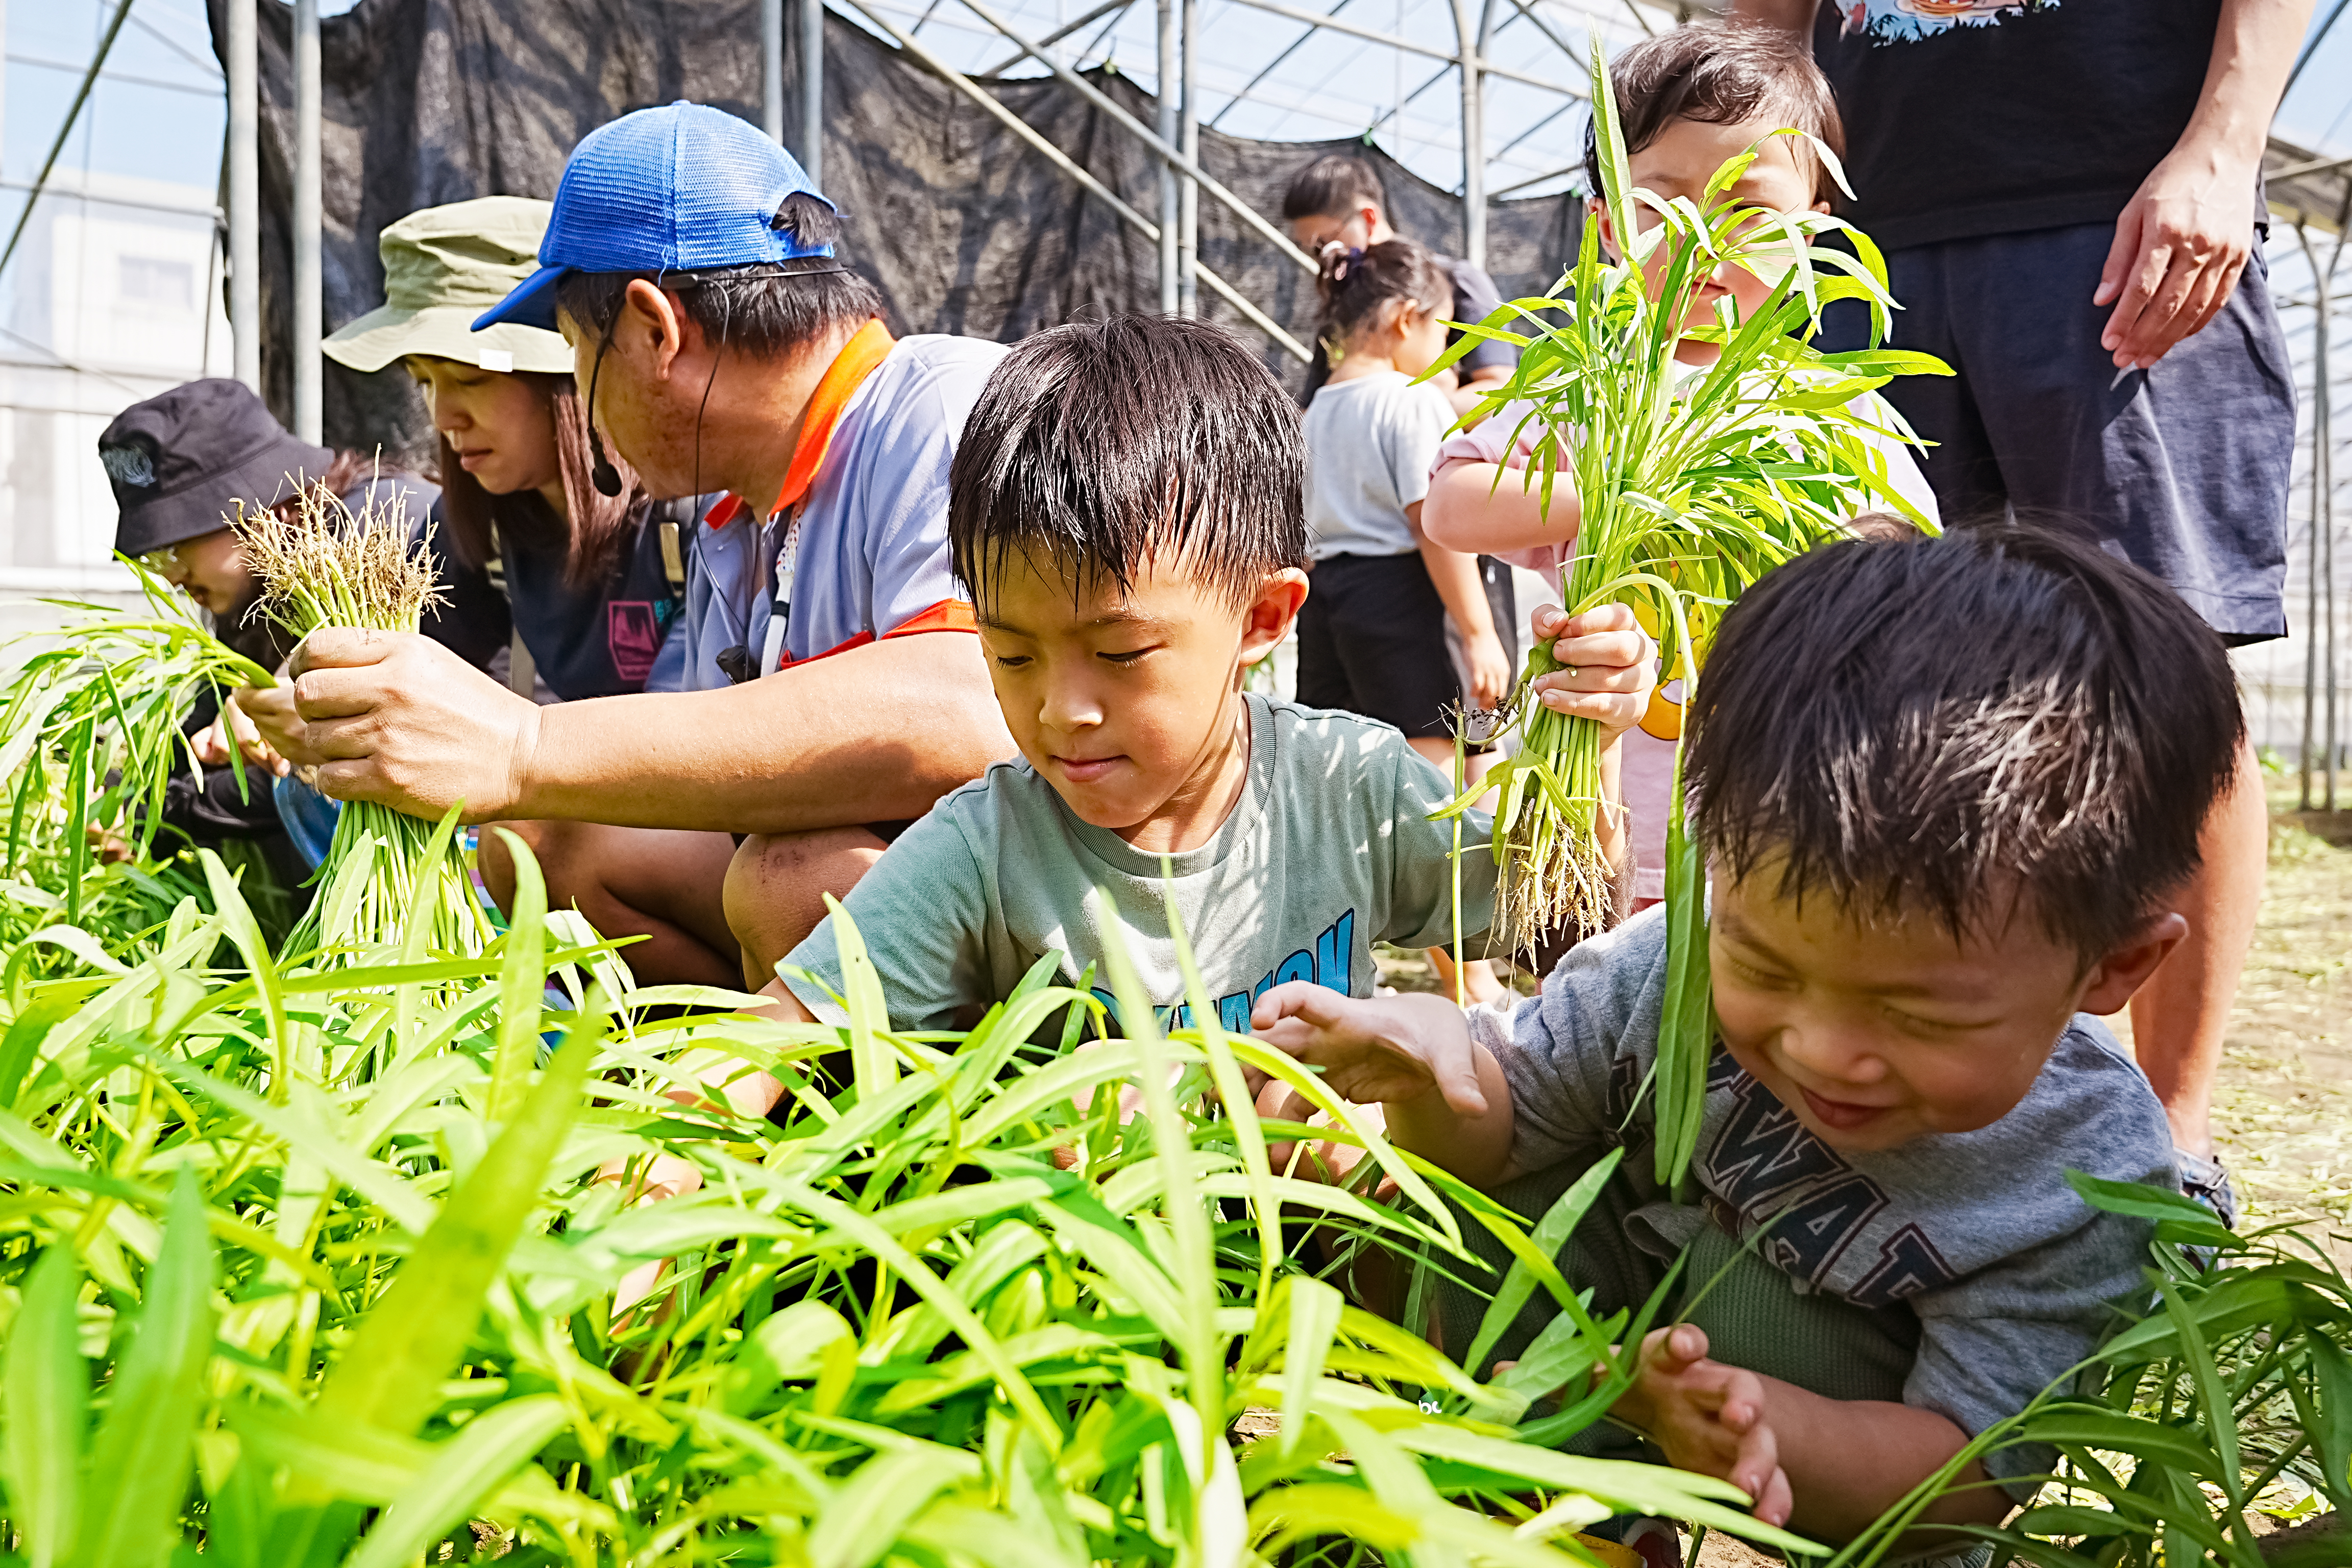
776, 886
496, 860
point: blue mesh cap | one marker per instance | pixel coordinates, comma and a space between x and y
675, 189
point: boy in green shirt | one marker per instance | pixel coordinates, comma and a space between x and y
1126, 508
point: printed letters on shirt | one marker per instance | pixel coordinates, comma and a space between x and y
1330, 961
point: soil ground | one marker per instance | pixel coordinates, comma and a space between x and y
2284, 1109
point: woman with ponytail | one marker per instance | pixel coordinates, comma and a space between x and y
1373, 633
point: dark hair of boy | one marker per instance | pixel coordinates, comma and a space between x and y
1358, 286
767, 311
1722, 75
1105, 447
2002, 719
1334, 183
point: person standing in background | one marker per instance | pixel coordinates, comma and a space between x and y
2068, 193
1338, 199
1371, 635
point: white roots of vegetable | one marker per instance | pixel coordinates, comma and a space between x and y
391, 879
1556, 881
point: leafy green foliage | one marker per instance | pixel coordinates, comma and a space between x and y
323, 1235
89, 731
2236, 1379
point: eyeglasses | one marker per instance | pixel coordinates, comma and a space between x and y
163, 561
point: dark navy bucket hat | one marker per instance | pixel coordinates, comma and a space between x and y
682, 188
181, 460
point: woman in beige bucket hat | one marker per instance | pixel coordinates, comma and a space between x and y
592, 579
593, 573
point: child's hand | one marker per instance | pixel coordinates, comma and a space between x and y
1490, 671
1382, 1050
1610, 665
1708, 1417
234, 731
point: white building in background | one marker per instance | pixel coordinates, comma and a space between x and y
115, 295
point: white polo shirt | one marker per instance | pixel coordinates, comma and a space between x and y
871, 557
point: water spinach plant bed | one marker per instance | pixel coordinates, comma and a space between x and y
309, 1266
89, 731
304, 1259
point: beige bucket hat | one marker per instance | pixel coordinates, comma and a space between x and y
442, 267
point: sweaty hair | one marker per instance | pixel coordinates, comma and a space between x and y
768, 311
1104, 446
1359, 286
599, 525
1946, 725
1335, 183
1722, 75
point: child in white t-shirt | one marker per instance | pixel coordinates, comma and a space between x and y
1372, 636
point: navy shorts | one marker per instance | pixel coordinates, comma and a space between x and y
2181, 469
1372, 640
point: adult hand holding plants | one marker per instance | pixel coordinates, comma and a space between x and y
396, 719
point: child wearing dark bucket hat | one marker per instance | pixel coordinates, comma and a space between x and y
180, 463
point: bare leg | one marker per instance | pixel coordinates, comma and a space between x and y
2179, 1017
776, 886
1479, 985
658, 883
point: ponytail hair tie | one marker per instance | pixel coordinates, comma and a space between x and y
1339, 260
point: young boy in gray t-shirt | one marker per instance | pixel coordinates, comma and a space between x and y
1127, 510
1930, 860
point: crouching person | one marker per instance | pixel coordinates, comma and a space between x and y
1931, 861
1127, 510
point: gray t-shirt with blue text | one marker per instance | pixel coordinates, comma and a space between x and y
2011, 1274
1329, 850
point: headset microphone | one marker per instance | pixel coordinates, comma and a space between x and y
601, 473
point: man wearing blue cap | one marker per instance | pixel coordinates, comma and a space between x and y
833, 689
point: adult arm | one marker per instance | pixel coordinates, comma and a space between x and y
2186, 234
872, 734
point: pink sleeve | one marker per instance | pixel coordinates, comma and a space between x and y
1503, 436
1491, 440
